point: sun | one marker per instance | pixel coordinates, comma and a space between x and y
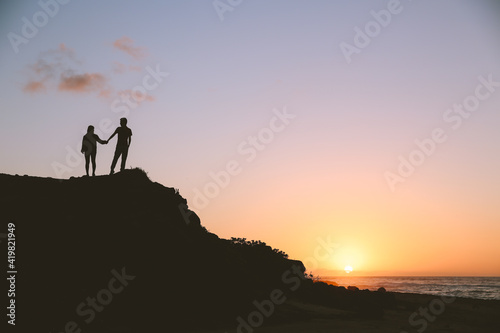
348, 269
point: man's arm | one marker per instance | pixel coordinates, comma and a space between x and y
116, 131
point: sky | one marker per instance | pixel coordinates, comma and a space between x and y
360, 133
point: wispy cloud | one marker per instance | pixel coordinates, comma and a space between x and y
82, 82
120, 68
138, 96
58, 68
54, 60
106, 93
34, 87
125, 44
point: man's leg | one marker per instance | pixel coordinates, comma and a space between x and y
124, 158
115, 159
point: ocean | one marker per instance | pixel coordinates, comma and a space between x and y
469, 287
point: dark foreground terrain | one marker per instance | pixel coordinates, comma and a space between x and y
121, 253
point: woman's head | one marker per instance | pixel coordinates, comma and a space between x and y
90, 129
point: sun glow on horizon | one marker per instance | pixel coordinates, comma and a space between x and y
347, 256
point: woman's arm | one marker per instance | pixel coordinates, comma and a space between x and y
84, 148
98, 139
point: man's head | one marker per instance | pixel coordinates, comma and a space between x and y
123, 121
90, 129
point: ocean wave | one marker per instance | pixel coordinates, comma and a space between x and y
469, 287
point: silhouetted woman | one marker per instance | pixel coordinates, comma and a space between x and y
89, 148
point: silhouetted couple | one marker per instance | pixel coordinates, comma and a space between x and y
89, 146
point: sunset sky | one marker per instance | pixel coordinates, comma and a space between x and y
369, 127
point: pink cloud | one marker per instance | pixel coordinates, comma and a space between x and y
81, 82
105, 93
57, 68
34, 87
120, 68
125, 44
136, 95
60, 69
54, 60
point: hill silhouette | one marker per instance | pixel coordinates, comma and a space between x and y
121, 253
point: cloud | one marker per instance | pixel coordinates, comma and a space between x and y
82, 82
120, 68
54, 60
136, 95
58, 68
34, 87
105, 93
125, 44
49, 63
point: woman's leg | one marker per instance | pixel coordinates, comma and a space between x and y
87, 161
93, 155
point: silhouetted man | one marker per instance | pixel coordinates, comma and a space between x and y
124, 140
89, 148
